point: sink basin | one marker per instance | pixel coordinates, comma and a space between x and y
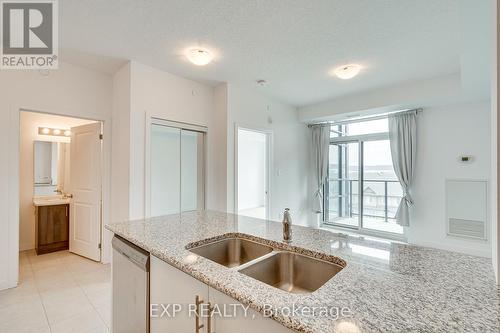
292, 272
232, 252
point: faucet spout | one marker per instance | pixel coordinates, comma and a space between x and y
287, 226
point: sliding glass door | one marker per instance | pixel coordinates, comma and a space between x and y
343, 184
381, 189
362, 191
176, 170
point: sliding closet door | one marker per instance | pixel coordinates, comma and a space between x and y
177, 180
192, 172
165, 170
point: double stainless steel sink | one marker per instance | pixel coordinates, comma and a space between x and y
288, 271
232, 252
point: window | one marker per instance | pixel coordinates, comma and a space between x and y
363, 191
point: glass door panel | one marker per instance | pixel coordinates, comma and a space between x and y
165, 170
343, 185
192, 173
381, 189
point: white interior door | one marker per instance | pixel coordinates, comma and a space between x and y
85, 186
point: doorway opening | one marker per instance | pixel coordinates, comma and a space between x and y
253, 177
60, 222
60, 202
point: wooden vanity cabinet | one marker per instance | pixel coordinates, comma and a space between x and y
52, 228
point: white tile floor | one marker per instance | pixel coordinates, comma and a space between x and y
57, 292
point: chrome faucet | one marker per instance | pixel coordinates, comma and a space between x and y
287, 226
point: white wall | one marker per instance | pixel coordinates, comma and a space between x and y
217, 176
70, 90
442, 90
29, 123
156, 93
445, 133
289, 183
120, 152
495, 95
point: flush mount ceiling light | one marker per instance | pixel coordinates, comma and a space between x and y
199, 56
347, 72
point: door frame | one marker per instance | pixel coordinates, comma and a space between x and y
15, 184
153, 120
269, 152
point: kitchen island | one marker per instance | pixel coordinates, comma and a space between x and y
384, 287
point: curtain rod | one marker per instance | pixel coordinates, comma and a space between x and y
365, 118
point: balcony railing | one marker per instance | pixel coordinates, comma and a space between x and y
384, 203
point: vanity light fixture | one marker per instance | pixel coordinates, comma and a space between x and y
199, 56
53, 131
347, 72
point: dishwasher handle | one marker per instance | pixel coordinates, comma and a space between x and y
132, 252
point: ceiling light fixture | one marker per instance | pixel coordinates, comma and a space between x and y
199, 56
44, 130
347, 72
56, 132
67, 133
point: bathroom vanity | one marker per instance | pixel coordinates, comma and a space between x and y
52, 208
51, 224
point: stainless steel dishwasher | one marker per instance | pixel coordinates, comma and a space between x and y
130, 272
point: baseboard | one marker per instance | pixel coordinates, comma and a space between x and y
4, 284
26, 247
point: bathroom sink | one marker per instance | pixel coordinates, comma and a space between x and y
232, 252
292, 272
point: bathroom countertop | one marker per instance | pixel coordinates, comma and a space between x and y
386, 286
50, 201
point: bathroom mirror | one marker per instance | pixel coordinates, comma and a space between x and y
49, 163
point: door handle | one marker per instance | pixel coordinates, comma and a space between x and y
198, 302
209, 323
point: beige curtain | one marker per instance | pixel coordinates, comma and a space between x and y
403, 138
320, 148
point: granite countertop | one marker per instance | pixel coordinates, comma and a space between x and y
387, 286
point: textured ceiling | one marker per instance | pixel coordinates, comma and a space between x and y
290, 43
